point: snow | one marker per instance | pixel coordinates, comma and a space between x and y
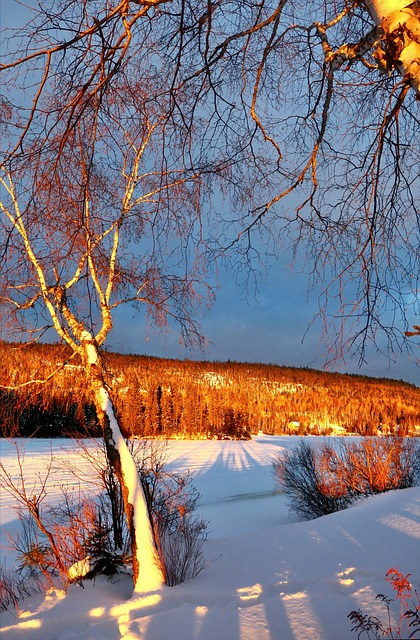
268, 576
151, 578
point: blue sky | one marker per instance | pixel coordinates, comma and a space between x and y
273, 327
270, 327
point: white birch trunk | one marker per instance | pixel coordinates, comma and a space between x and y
400, 20
147, 571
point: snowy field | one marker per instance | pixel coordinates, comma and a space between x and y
268, 576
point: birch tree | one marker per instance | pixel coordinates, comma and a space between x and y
144, 140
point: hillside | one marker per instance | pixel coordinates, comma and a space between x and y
173, 398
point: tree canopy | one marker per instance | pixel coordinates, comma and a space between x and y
144, 140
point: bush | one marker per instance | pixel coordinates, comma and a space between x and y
375, 465
72, 543
299, 474
83, 536
408, 624
325, 478
172, 501
13, 588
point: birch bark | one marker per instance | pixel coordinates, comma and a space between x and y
147, 572
148, 575
400, 20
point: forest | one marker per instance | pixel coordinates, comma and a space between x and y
42, 394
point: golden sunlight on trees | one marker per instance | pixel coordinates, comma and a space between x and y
157, 397
143, 142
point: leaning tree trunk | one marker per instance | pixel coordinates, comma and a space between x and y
147, 569
400, 21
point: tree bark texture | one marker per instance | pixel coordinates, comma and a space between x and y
147, 571
400, 21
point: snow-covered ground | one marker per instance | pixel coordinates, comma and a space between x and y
268, 577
